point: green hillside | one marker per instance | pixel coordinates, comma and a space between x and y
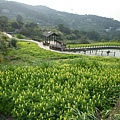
45, 17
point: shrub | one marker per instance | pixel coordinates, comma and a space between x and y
20, 36
13, 42
1, 58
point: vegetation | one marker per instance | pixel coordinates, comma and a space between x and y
3, 40
40, 84
6, 44
45, 17
94, 44
51, 89
36, 19
65, 33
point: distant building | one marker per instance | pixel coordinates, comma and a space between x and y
118, 29
5, 11
107, 30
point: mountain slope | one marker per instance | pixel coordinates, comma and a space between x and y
48, 17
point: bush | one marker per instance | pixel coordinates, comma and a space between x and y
20, 36
3, 42
84, 42
1, 58
13, 43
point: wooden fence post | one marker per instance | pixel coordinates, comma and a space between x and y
114, 53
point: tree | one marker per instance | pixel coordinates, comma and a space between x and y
64, 29
19, 20
93, 35
3, 23
31, 25
14, 42
15, 25
31, 30
3, 42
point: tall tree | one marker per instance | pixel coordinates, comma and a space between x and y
3, 23
93, 35
64, 28
15, 25
19, 20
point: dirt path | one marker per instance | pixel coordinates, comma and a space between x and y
115, 113
10, 36
40, 44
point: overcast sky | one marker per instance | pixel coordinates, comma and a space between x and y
105, 8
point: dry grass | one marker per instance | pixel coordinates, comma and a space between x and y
115, 113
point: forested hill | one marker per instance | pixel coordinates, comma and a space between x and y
48, 17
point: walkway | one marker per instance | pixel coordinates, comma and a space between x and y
102, 52
75, 51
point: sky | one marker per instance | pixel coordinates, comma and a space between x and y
104, 8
